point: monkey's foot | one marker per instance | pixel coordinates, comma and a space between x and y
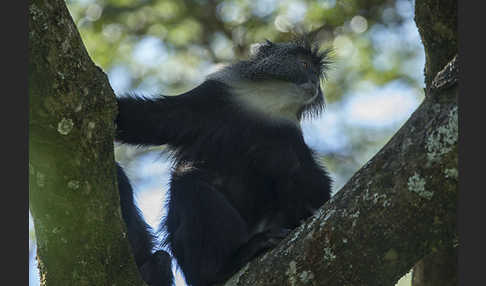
157, 271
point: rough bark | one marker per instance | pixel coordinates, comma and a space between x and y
73, 194
439, 267
437, 23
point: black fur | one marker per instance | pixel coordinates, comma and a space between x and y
154, 268
281, 57
238, 185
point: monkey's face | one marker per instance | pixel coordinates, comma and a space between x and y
284, 78
279, 79
307, 77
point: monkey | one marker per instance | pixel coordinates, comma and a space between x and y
242, 176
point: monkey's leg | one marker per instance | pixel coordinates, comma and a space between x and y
258, 244
203, 228
154, 268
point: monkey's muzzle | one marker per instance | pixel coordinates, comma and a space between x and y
309, 90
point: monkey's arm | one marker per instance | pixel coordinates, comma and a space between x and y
175, 120
142, 121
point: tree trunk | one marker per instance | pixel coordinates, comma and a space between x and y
437, 23
73, 194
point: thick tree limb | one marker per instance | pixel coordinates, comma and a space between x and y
437, 24
73, 195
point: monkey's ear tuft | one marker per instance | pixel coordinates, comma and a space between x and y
254, 48
260, 48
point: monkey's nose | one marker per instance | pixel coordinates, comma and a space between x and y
309, 87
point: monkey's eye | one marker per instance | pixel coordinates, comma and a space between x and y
305, 64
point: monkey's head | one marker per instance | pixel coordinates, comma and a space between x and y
283, 80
